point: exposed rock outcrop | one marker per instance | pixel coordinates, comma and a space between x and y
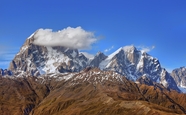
179, 76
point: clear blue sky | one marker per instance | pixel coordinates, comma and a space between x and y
147, 23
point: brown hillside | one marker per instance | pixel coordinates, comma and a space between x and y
49, 96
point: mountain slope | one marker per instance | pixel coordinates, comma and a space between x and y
179, 76
36, 60
133, 64
90, 91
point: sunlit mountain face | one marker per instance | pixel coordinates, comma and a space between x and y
52, 80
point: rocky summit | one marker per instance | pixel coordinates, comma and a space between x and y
46, 80
179, 76
36, 60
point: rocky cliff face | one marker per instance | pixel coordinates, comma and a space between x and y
5, 72
36, 60
95, 62
167, 80
133, 64
179, 76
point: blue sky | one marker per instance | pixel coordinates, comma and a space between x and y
157, 25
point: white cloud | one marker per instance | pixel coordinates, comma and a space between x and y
145, 48
106, 50
153, 47
76, 38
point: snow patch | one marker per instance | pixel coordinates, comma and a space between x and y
74, 54
140, 63
105, 62
41, 70
183, 89
181, 85
69, 76
23, 49
54, 59
31, 36
128, 48
87, 55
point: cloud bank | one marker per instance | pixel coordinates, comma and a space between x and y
145, 48
76, 38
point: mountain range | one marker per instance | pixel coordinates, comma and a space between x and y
36, 60
55, 80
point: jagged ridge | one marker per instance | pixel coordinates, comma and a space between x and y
128, 61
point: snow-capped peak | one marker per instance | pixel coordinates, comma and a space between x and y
113, 54
31, 36
105, 62
41, 59
127, 61
88, 55
129, 48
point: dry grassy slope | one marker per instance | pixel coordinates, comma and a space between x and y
108, 99
20, 96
